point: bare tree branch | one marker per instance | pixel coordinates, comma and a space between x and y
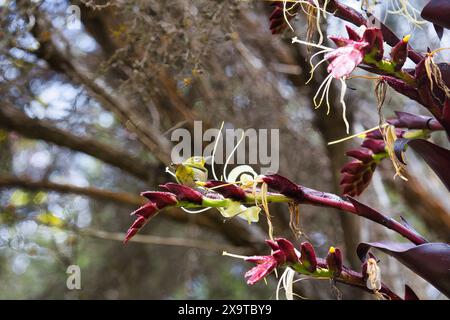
13, 119
65, 64
236, 232
164, 241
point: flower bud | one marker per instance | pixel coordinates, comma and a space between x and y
283, 186
334, 261
147, 211
377, 146
352, 167
308, 257
374, 37
287, 248
399, 53
138, 223
352, 35
227, 190
183, 193
161, 199
363, 154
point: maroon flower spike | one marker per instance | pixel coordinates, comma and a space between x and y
183, 193
161, 199
308, 257
334, 261
284, 186
227, 190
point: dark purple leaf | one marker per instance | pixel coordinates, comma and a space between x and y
407, 225
414, 121
410, 294
435, 156
431, 261
439, 31
438, 12
375, 216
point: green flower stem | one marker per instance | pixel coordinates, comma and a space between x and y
388, 68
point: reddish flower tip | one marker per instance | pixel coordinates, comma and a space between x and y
352, 35
272, 244
130, 233
147, 211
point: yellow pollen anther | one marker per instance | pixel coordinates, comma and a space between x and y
332, 250
406, 38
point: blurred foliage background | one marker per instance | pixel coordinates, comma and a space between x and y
89, 97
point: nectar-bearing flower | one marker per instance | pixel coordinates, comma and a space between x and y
345, 58
334, 261
283, 254
399, 53
308, 256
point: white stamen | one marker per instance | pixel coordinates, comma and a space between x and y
296, 40
231, 155
224, 253
213, 156
195, 211
285, 17
323, 85
170, 172
344, 106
